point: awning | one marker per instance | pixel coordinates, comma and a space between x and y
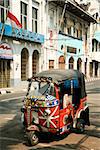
75, 9
5, 51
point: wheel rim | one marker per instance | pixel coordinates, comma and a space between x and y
34, 137
81, 127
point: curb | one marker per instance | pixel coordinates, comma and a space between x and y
91, 79
5, 92
10, 91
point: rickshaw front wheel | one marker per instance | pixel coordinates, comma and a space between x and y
33, 138
80, 126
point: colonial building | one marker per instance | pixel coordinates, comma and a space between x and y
54, 34
93, 56
20, 49
67, 35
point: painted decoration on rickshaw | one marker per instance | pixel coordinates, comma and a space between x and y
50, 120
64, 120
48, 101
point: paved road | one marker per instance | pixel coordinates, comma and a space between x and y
12, 132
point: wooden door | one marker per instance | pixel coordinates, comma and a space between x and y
61, 62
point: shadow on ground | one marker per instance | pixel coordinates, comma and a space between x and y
12, 135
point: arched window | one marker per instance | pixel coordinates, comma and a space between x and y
24, 64
35, 62
79, 64
71, 63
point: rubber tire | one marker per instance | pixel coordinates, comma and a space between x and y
33, 138
80, 126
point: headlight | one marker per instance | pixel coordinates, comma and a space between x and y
47, 112
23, 109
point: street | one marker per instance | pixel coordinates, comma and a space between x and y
12, 136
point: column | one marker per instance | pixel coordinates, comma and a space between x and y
30, 66
88, 68
44, 31
16, 69
15, 8
93, 69
75, 64
30, 16
82, 67
11, 73
98, 73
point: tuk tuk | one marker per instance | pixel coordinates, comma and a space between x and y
56, 102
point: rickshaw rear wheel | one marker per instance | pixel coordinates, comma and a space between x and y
33, 138
80, 126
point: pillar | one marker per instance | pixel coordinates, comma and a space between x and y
88, 68
30, 15
75, 64
98, 71
30, 66
93, 69
83, 67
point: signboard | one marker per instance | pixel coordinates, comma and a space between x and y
71, 49
22, 34
5, 51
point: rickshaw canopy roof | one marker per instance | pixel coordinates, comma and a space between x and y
59, 75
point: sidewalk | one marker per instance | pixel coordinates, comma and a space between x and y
23, 88
91, 79
20, 88
12, 90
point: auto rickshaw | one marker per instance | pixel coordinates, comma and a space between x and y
56, 102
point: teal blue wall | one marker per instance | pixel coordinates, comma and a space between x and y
72, 42
97, 36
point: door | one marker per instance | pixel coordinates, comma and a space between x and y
35, 62
71, 63
61, 62
24, 64
4, 73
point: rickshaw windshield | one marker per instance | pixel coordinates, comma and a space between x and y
47, 88
41, 88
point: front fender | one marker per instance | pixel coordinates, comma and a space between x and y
33, 128
80, 111
84, 114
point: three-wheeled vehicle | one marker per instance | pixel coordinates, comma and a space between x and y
56, 102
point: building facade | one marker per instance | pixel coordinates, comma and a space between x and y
20, 49
94, 52
54, 34
93, 57
67, 36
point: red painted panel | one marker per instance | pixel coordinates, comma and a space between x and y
51, 120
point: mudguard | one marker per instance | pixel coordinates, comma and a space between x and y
33, 128
84, 114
